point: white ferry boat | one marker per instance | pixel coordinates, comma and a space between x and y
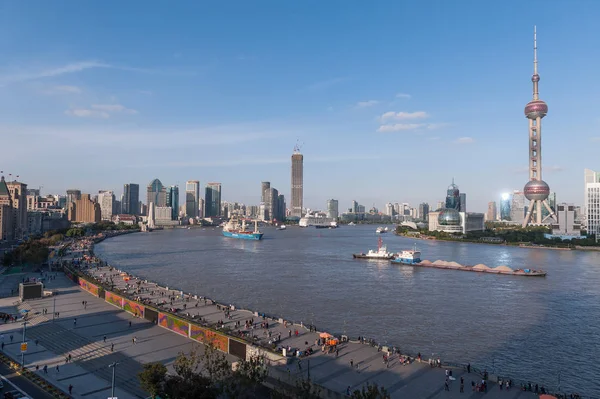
317, 220
380, 254
381, 230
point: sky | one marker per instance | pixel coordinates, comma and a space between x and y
389, 100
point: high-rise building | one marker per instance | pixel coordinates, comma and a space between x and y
592, 202
440, 205
354, 207
463, 202
424, 211
6, 212
505, 206
566, 225
332, 208
106, 199
18, 194
192, 198
173, 201
491, 211
212, 203
297, 182
201, 207
536, 190
453, 197
156, 193
389, 209
273, 204
518, 207
84, 210
281, 207
73, 195
131, 199
264, 190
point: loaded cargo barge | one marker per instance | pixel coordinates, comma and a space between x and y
478, 268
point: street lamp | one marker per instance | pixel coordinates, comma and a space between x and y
114, 367
22, 351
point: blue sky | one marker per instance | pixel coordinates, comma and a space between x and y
390, 99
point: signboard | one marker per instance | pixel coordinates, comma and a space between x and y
24, 347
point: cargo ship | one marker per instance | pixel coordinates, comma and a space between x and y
233, 229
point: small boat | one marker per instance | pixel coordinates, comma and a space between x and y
380, 254
351, 224
381, 230
408, 257
281, 227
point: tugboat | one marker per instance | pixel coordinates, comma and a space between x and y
408, 257
380, 254
233, 229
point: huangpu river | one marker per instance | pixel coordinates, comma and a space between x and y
543, 330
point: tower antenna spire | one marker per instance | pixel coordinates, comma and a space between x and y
535, 71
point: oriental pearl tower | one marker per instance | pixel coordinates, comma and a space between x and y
536, 190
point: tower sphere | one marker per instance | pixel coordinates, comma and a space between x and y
535, 78
535, 109
536, 190
448, 217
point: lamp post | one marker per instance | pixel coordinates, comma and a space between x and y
114, 367
22, 351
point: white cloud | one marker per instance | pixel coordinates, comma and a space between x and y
403, 95
366, 104
103, 111
400, 127
87, 113
401, 116
114, 108
464, 140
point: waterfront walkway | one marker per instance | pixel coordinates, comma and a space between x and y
356, 364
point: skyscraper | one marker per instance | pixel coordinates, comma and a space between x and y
332, 208
463, 202
265, 201
156, 193
106, 199
297, 182
273, 202
518, 207
131, 199
536, 190
505, 207
6, 212
192, 198
592, 202
424, 211
212, 202
173, 201
453, 197
491, 211
264, 190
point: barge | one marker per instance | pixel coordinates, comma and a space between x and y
480, 268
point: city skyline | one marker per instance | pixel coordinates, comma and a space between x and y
121, 110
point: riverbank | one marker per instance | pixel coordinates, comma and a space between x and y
370, 356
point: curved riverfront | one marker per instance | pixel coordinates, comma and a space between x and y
529, 329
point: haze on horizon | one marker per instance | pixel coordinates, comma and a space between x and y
391, 100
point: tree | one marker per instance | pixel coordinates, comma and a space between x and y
152, 378
371, 391
247, 378
303, 389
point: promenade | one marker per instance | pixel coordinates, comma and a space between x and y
356, 364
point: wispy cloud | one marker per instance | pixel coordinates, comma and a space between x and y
102, 111
26, 75
403, 95
398, 127
401, 116
595, 139
464, 140
366, 104
87, 113
62, 90
325, 84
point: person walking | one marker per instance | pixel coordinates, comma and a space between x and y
105, 339
112, 347
70, 389
45, 369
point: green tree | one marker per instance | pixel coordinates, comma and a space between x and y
303, 389
247, 378
152, 378
371, 391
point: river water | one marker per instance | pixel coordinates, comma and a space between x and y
541, 329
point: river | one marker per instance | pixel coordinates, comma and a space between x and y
538, 329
